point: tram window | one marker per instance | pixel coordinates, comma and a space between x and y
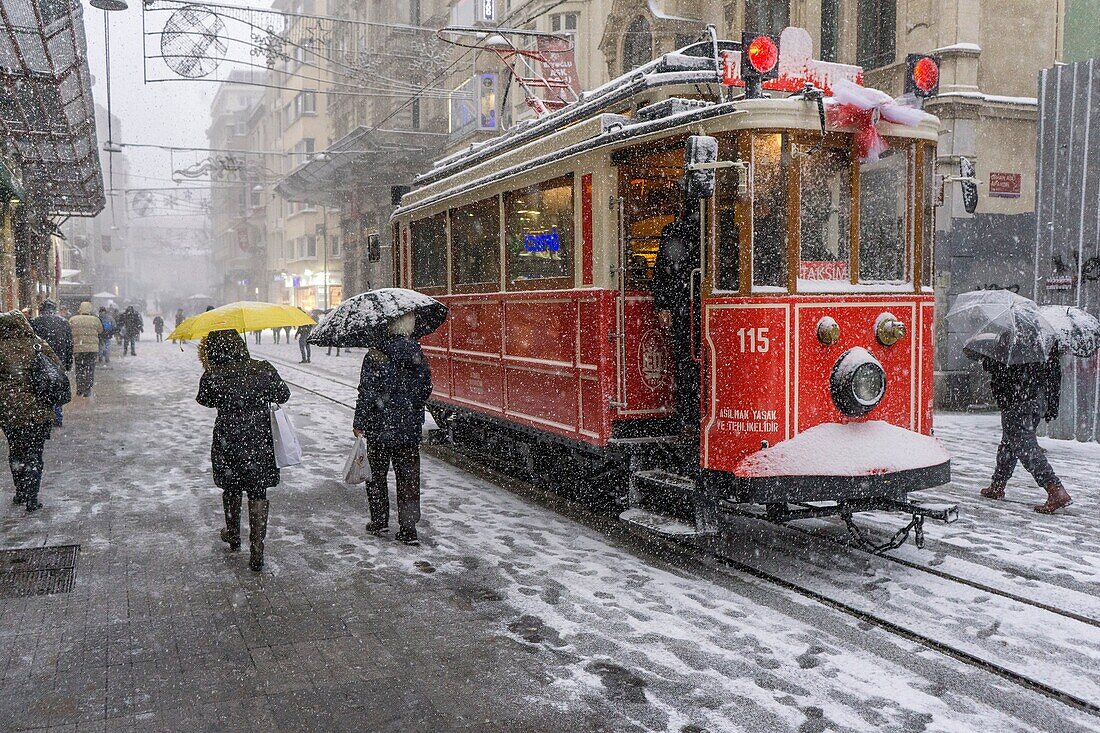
429, 252
883, 189
928, 228
538, 233
651, 200
769, 210
728, 252
475, 243
825, 214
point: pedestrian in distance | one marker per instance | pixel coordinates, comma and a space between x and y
394, 384
242, 452
86, 330
302, 335
132, 325
55, 331
158, 327
109, 329
275, 333
179, 318
287, 329
673, 271
1026, 394
24, 420
257, 336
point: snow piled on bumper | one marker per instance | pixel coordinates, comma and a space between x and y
852, 449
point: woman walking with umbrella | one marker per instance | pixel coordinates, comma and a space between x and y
1018, 348
242, 452
394, 383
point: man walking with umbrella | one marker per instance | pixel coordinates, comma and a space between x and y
1017, 347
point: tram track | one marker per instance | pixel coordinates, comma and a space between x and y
714, 561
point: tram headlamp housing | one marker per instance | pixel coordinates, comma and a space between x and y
858, 382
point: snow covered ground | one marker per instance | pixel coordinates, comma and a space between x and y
675, 649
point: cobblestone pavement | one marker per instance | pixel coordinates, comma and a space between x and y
165, 630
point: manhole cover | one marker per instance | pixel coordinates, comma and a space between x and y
37, 571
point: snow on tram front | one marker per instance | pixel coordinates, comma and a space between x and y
811, 305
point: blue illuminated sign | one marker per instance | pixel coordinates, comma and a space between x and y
542, 242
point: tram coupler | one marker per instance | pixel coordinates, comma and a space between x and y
946, 513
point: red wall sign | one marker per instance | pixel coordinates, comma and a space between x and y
1004, 185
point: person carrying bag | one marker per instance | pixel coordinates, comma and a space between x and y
242, 451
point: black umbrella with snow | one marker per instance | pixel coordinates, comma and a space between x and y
361, 319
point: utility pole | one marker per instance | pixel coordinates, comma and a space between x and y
324, 243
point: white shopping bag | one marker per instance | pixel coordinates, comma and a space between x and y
357, 467
288, 451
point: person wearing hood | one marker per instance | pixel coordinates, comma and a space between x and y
394, 384
86, 330
158, 327
242, 452
132, 325
55, 331
105, 337
24, 420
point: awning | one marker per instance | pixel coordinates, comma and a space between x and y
46, 109
362, 158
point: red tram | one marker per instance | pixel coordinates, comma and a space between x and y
814, 288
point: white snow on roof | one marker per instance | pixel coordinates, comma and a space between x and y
995, 98
959, 47
850, 449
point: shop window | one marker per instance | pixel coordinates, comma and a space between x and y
475, 243
876, 33
769, 210
538, 222
429, 252
883, 190
825, 215
637, 44
928, 219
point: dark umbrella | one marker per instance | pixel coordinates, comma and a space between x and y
361, 319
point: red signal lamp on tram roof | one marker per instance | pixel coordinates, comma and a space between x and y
759, 62
922, 75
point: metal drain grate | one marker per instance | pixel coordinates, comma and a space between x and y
37, 571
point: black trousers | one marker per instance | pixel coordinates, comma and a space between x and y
405, 460
25, 445
1018, 443
85, 373
686, 375
128, 343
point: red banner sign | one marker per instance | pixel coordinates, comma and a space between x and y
1004, 185
559, 63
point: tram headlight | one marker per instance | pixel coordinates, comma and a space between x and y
857, 383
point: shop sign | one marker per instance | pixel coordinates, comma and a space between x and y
1005, 185
542, 241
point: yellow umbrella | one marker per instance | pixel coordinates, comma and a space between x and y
245, 315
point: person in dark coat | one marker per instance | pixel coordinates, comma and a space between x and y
242, 452
394, 384
132, 325
55, 331
1026, 394
180, 318
302, 334
158, 327
24, 420
677, 258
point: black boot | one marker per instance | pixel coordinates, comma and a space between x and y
19, 498
379, 503
257, 531
231, 535
33, 504
408, 536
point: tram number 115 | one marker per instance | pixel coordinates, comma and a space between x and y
754, 340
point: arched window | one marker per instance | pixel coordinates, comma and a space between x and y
637, 44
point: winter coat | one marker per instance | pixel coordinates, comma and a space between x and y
394, 384
677, 257
86, 329
55, 331
108, 328
158, 324
131, 321
1013, 385
242, 453
302, 334
18, 404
